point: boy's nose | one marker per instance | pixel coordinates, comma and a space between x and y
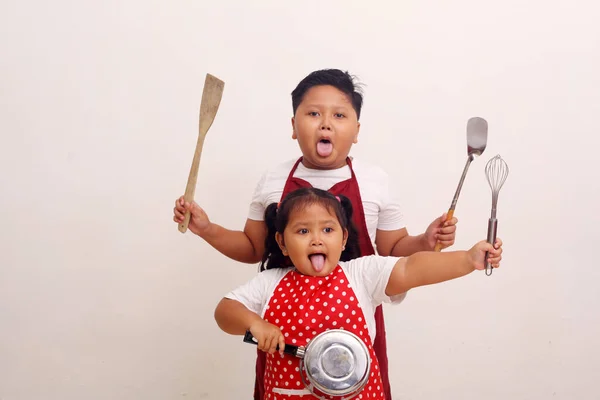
325, 123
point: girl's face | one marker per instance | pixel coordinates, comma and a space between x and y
313, 239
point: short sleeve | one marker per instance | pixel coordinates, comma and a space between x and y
257, 208
373, 273
255, 293
390, 212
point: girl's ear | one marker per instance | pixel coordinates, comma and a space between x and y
345, 239
281, 243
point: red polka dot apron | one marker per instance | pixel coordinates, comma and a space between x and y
302, 307
350, 189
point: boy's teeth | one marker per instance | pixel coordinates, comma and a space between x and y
318, 261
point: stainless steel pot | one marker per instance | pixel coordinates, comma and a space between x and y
335, 362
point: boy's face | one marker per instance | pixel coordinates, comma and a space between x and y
325, 126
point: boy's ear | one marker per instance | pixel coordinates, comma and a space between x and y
280, 242
357, 131
294, 136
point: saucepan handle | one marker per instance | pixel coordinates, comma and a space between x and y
288, 349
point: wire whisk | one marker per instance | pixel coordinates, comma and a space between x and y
496, 172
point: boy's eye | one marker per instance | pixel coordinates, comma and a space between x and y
313, 114
339, 115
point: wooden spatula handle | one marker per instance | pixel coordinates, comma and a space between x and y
190, 188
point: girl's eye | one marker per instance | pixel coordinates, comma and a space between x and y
328, 230
303, 231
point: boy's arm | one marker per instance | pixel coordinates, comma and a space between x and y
245, 246
399, 243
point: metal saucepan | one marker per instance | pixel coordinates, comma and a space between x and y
335, 362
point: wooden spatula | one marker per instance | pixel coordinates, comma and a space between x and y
211, 98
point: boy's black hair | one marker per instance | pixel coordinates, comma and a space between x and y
341, 80
277, 218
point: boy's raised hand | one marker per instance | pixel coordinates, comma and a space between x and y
199, 221
441, 231
269, 337
477, 254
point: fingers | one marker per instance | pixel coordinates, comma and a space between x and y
272, 342
447, 230
180, 209
451, 222
442, 218
273, 345
446, 242
495, 253
281, 344
269, 346
446, 234
494, 262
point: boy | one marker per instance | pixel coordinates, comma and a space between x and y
326, 106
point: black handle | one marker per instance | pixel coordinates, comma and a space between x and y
288, 349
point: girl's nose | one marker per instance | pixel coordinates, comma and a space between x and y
316, 241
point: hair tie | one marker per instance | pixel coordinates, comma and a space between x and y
338, 198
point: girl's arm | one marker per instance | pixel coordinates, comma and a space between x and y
234, 318
426, 268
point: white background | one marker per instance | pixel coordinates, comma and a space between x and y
102, 298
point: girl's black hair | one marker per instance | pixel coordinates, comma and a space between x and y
277, 218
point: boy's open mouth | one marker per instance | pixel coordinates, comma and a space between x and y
324, 147
318, 261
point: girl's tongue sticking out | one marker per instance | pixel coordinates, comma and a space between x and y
318, 261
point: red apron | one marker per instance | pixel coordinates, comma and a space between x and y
350, 189
304, 306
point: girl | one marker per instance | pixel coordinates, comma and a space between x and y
309, 285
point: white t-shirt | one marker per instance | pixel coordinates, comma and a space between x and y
368, 276
381, 211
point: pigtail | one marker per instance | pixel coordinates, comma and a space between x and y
352, 249
272, 257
